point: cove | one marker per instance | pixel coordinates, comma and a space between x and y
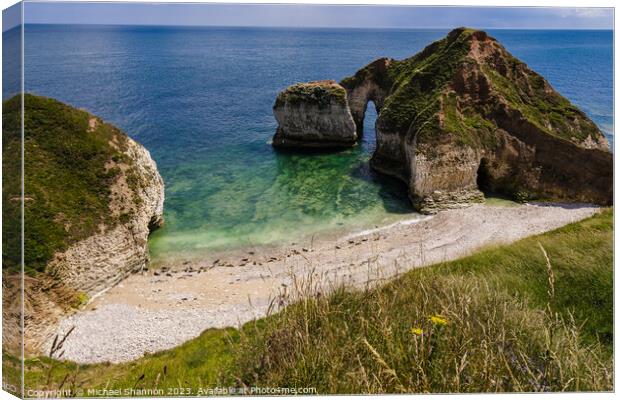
200, 100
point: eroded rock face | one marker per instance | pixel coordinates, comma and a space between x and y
91, 197
464, 115
100, 261
314, 115
370, 83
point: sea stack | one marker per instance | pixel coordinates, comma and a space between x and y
314, 115
464, 115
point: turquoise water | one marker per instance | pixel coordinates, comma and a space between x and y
200, 100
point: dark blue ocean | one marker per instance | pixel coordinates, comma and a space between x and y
200, 100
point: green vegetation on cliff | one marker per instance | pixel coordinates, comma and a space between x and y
419, 81
504, 319
542, 106
71, 160
474, 129
321, 93
421, 93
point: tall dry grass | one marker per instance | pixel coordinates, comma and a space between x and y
428, 333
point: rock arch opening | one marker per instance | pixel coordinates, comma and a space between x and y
483, 178
368, 134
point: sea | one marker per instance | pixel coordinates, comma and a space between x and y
200, 100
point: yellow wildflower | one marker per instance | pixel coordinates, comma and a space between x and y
417, 331
438, 320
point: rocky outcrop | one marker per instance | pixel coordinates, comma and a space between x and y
105, 258
314, 115
370, 83
92, 195
464, 115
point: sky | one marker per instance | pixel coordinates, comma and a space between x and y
302, 15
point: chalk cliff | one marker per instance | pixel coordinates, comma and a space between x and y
105, 258
92, 195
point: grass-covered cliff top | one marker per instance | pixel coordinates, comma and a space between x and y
417, 82
71, 159
426, 92
321, 93
507, 318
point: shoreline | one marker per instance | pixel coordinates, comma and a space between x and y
307, 239
404, 222
162, 308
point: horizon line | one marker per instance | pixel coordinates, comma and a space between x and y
313, 27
